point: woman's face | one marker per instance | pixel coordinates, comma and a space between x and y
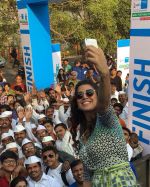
86, 98
61, 72
18, 80
21, 184
6, 88
113, 72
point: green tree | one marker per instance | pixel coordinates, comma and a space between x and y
122, 17
74, 20
107, 21
8, 23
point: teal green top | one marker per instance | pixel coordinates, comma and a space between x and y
106, 146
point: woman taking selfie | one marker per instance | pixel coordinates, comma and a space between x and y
102, 145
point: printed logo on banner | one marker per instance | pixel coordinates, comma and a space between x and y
139, 84
126, 60
124, 64
144, 4
141, 96
27, 61
23, 19
140, 11
136, 4
140, 5
25, 39
28, 68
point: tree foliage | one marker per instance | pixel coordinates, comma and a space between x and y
8, 23
122, 17
74, 20
107, 21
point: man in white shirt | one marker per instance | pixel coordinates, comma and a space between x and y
5, 123
61, 112
64, 140
37, 178
123, 99
54, 167
64, 111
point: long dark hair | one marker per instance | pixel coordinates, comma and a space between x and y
77, 115
61, 78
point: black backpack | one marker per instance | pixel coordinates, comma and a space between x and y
63, 176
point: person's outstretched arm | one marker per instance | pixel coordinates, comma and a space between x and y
97, 58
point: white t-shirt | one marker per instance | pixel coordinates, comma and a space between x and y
66, 144
55, 117
63, 116
45, 181
56, 174
124, 114
130, 151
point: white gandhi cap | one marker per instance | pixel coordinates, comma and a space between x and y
41, 116
40, 127
32, 160
47, 139
19, 128
33, 126
65, 99
5, 135
6, 114
11, 145
121, 92
25, 141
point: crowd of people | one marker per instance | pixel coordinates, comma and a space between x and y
76, 134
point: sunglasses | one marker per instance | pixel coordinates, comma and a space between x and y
89, 93
48, 156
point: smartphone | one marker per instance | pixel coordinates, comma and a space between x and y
92, 42
85, 43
